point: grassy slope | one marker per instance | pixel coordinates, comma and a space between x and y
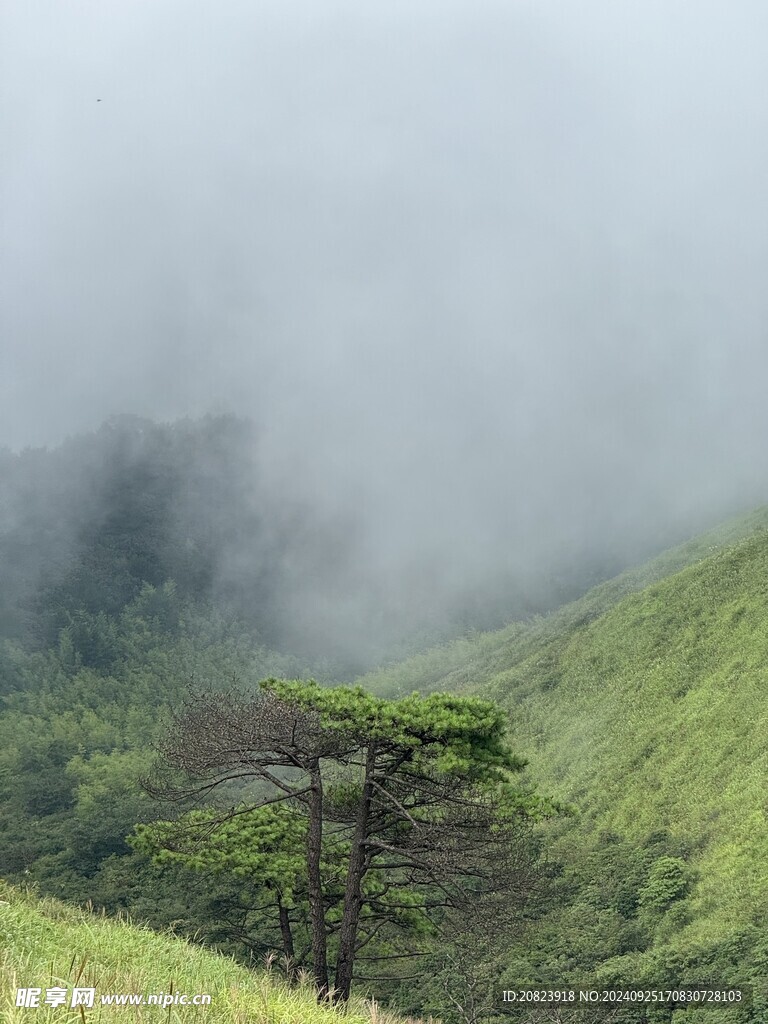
45, 943
460, 664
645, 704
656, 716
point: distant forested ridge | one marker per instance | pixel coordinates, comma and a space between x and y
85, 526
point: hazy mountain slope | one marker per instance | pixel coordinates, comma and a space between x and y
655, 716
480, 656
645, 706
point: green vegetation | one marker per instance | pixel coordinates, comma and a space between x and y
374, 818
74, 739
47, 944
647, 712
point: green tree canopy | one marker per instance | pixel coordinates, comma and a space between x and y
381, 812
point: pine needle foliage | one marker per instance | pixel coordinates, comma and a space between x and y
371, 815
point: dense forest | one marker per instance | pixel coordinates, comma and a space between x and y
142, 564
86, 526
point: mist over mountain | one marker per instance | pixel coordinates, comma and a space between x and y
85, 527
488, 280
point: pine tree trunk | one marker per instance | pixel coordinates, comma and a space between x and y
353, 895
287, 934
315, 884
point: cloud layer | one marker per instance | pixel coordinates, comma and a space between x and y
489, 277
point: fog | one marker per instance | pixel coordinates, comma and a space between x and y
489, 277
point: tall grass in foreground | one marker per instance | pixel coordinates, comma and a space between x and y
46, 943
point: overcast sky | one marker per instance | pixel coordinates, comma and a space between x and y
492, 273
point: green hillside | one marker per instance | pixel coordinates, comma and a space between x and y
48, 945
482, 655
656, 716
645, 707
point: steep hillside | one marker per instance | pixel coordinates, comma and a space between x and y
645, 707
655, 716
52, 947
482, 655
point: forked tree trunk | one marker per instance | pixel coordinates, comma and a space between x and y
353, 894
286, 933
315, 883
